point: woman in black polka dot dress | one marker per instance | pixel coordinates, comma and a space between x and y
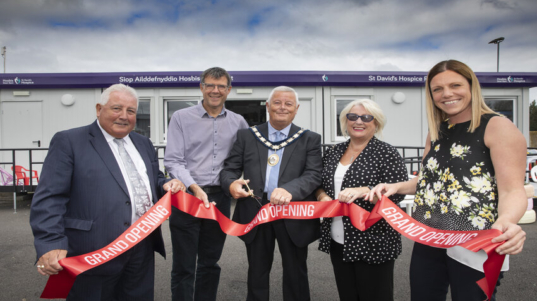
363, 261
471, 178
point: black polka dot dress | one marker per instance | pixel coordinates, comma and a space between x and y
456, 187
379, 162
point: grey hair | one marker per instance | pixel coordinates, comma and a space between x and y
372, 107
105, 96
216, 73
283, 89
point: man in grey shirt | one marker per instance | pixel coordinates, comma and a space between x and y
199, 140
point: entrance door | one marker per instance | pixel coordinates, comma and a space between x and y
22, 128
254, 111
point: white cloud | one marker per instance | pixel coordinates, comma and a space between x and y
120, 35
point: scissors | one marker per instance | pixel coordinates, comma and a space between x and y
255, 197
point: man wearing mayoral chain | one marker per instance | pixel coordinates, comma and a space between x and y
281, 164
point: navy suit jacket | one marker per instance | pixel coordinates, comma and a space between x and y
82, 202
300, 175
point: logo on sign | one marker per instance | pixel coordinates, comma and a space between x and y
325, 78
510, 79
17, 80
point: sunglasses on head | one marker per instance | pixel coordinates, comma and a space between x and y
365, 118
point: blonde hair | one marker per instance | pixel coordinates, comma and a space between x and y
435, 116
370, 106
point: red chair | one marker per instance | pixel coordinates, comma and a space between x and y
21, 174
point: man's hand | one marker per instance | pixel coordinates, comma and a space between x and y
280, 196
48, 263
237, 190
200, 194
174, 186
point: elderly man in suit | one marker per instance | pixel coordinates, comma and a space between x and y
282, 163
96, 181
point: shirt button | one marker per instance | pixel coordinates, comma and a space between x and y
128, 203
126, 224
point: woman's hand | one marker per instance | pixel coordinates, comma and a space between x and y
349, 195
324, 198
381, 189
508, 153
512, 234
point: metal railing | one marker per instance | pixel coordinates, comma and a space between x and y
412, 156
14, 152
14, 187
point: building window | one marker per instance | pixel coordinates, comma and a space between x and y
503, 106
170, 106
143, 118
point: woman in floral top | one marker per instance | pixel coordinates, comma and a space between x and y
471, 179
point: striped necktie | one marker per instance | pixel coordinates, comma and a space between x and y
139, 190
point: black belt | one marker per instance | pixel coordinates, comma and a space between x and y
211, 189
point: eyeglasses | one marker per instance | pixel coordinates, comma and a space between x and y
210, 87
365, 118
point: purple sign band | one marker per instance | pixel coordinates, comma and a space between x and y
249, 78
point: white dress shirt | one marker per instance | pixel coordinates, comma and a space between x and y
138, 162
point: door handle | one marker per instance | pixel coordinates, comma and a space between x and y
38, 143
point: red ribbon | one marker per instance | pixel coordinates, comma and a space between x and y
58, 286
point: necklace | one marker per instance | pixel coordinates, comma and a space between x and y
352, 157
355, 155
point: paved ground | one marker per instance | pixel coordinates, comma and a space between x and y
20, 281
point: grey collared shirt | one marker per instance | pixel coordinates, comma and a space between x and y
198, 144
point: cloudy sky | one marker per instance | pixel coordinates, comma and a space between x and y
337, 35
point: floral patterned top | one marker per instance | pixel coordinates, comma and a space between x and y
456, 187
379, 162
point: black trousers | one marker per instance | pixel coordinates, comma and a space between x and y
432, 272
260, 256
359, 280
197, 246
136, 282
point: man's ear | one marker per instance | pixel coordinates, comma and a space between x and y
98, 108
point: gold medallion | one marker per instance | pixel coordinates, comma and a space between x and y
273, 159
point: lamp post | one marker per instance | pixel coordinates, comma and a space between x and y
4, 55
497, 41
